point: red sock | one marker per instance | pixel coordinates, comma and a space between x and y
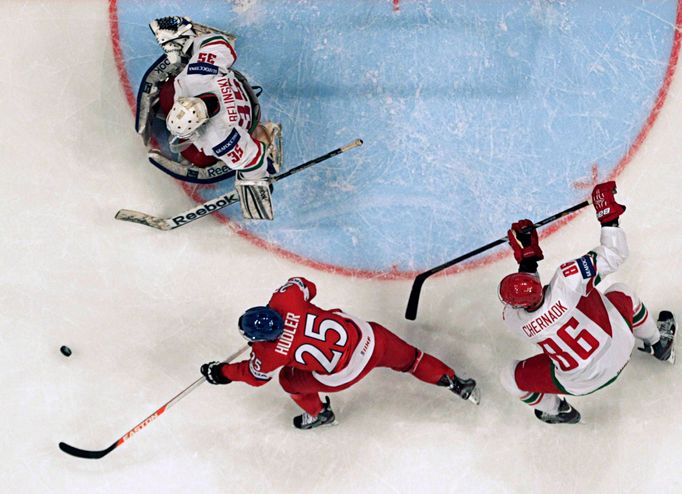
429, 369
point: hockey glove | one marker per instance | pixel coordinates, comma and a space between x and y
213, 372
523, 238
608, 210
175, 35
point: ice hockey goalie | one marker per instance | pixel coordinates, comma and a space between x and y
200, 118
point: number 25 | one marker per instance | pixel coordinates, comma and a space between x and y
321, 334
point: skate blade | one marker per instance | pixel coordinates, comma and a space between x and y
671, 359
323, 426
475, 396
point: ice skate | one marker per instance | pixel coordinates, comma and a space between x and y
464, 388
663, 349
325, 417
567, 415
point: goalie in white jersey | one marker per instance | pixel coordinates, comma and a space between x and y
214, 119
586, 336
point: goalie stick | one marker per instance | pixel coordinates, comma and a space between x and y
220, 202
95, 455
413, 301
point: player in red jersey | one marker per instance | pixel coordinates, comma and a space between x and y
318, 350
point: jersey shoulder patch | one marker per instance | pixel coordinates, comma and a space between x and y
202, 68
586, 266
228, 144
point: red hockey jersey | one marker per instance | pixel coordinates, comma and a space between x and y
333, 345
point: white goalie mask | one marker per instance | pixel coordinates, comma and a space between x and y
186, 117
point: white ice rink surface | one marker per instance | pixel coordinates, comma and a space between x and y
142, 309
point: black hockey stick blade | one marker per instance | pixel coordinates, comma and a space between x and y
82, 453
415, 292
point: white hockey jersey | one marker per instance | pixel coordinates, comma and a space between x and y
586, 337
227, 134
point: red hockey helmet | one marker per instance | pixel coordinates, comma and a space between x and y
521, 290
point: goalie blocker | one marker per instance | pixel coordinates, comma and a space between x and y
255, 198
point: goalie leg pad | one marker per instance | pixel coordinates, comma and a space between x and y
147, 95
255, 199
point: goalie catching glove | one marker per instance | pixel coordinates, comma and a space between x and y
213, 372
175, 35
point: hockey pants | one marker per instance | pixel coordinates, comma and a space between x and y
531, 380
389, 351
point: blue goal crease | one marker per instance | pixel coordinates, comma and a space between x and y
474, 114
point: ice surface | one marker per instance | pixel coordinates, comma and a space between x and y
142, 309
473, 113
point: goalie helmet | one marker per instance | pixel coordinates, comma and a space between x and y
261, 324
186, 117
521, 290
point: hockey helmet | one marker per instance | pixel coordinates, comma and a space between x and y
186, 116
521, 290
261, 324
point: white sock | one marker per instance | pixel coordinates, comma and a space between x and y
548, 403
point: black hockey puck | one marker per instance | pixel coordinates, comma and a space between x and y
66, 351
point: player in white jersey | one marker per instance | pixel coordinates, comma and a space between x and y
586, 335
214, 118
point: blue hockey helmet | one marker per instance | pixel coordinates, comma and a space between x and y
261, 324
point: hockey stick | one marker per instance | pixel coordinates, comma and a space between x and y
94, 455
413, 301
220, 202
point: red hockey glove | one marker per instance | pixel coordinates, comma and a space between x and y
608, 210
523, 238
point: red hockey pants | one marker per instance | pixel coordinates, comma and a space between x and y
389, 351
